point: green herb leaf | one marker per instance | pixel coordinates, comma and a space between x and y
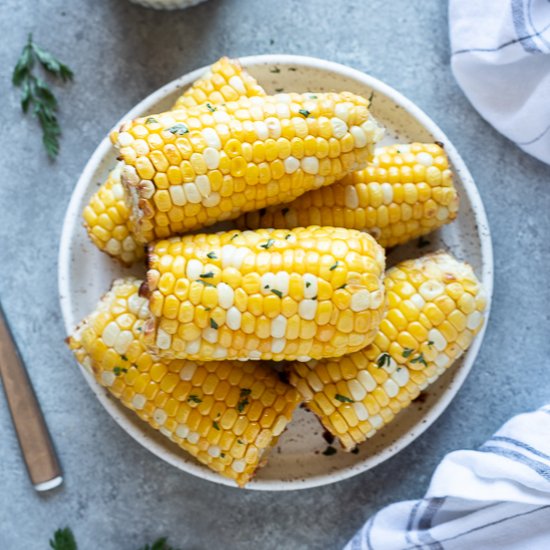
124, 358
212, 256
240, 442
234, 236
194, 399
275, 70
244, 392
159, 544
343, 398
341, 287
334, 266
179, 129
119, 370
407, 352
371, 97
37, 93
63, 539
308, 284
208, 275
213, 324
210, 108
277, 292
329, 451
222, 455
430, 343
383, 360
287, 237
419, 359
304, 112
279, 90
268, 244
215, 425
151, 120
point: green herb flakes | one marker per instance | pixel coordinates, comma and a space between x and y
179, 129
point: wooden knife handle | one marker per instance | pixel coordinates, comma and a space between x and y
35, 442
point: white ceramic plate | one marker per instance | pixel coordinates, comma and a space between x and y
297, 462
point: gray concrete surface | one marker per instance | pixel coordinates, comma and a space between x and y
116, 494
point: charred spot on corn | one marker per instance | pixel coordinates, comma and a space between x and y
423, 242
179, 129
355, 450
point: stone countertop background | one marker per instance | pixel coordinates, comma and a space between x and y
117, 495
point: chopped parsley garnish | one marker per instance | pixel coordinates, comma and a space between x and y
419, 359
266, 286
207, 308
119, 370
279, 90
292, 69
63, 539
275, 70
216, 426
343, 398
243, 402
308, 284
124, 358
212, 256
334, 266
213, 324
407, 352
288, 237
430, 343
268, 244
312, 96
151, 120
234, 236
342, 286
210, 108
277, 292
194, 399
383, 360
208, 275
179, 129
240, 441
304, 112
371, 97
329, 451
422, 242
222, 455
205, 283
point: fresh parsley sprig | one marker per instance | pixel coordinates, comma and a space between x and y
36, 92
63, 539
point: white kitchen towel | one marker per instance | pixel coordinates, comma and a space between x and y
495, 498
500, 56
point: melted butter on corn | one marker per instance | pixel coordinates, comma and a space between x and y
191, 168
225, 414
406, 192
267, 294
435, 308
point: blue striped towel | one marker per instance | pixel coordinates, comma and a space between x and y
501, 60
495, 498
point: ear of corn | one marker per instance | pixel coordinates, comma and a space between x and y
435, 308
225, 414
225, 81
406, 192
191, 168
266, 294
107, 215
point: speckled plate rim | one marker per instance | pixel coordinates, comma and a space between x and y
72, 221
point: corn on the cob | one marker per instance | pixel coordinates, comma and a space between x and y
191, 168
225, 414
406, 192
435, 308
107, 220
225, 81
107, 215
266, 294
